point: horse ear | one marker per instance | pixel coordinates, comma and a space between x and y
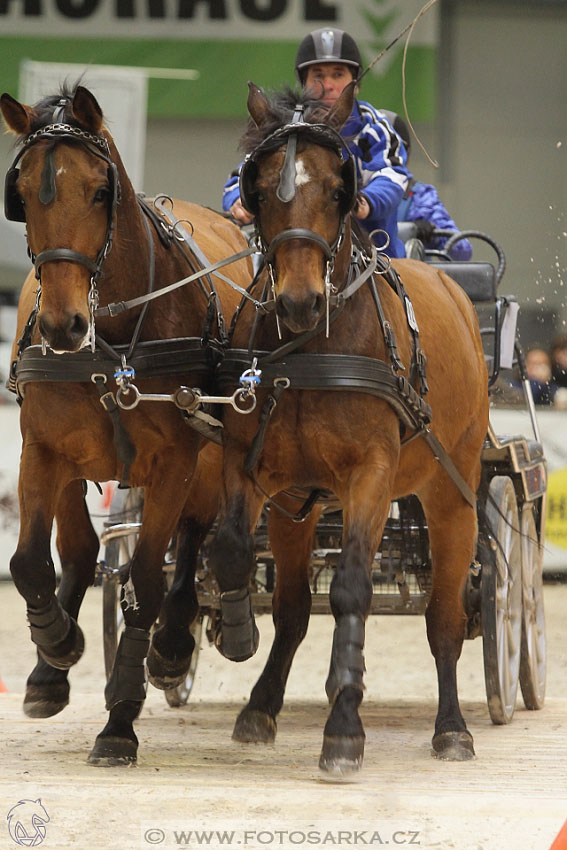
16, 115
340, 111
258, 105
86, 109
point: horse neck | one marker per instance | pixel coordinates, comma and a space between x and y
127, 275
128, 261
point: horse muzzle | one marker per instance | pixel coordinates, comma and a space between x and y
68, 334
300, 314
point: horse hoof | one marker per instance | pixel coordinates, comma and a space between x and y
341, 758
66, 653
163, 673
254, 727
113, 751
46, 700
453, 746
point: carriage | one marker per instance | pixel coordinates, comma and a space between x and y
504, 589
313, 274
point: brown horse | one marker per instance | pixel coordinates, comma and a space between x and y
357, 442
90, 239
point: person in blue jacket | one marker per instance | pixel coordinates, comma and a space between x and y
326, 61
422, 205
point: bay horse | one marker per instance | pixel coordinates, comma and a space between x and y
344, 356
92, 239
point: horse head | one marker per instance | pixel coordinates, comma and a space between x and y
301, 189
64, 185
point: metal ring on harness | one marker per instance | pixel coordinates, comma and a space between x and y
383, 247
177, 233
122, 391
242, 395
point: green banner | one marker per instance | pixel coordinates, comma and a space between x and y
224, 69
228, 42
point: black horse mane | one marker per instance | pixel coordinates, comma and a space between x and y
44, 109
282, 106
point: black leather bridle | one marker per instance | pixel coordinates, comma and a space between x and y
319, 134
15, 211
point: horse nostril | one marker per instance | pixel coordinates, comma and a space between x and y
77, 327
318, 304
284, 305
44, 326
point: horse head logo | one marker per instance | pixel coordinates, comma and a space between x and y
26, 823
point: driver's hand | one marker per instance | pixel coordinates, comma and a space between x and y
362, 207
425, 229
238, 212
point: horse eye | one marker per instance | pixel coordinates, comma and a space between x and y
100, 195
337, 194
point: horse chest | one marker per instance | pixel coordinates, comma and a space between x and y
317, 437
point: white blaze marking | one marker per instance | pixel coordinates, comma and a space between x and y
301, 175
61, 170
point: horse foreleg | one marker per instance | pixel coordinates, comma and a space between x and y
452, 534
47, 688
142, 598
172, 643
172, 646
291, 544
57, 635
364, 514
231, 556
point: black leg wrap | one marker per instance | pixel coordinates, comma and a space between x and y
238, 636
347, 659
128, 679
49, 625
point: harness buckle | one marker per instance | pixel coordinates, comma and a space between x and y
124, 375
251, 378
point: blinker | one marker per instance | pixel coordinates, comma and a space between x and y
13, 204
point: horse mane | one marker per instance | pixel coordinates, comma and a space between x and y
43, 110
282, 106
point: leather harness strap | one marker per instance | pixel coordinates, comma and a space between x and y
346, 373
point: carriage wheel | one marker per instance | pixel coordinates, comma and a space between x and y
501, 605
127, 507
533, 651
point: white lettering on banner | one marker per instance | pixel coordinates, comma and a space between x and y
214, 19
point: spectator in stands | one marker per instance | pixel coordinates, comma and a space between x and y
422, 205
538, 368
559, 360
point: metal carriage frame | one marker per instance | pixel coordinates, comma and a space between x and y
504, 591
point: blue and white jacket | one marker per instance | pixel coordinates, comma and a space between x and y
382, 177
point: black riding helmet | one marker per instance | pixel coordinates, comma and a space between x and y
327, 45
